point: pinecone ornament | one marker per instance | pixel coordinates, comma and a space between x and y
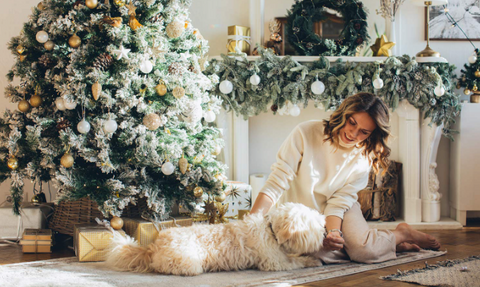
418, 76
45, 60
157, 19
193, 70
274, 108
103, 62
63, 124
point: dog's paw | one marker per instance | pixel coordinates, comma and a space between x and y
311, 261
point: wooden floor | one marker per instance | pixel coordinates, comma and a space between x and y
458, 243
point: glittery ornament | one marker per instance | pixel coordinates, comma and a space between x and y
220, 197
96, 90
175, 29
133, 22
119, 3
20, 49
112, 21
116, 223
475, 88
176, 69
178, 92
152, 121
198, 192
466, 91
477, 74
23, 106
67, 160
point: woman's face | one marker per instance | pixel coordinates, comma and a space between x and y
358, 128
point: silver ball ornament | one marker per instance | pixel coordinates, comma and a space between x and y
378, 83
255, 80
318, 87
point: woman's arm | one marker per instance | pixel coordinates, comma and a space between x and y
334, 239
262, 204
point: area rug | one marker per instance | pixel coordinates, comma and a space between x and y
457, 273
70, 272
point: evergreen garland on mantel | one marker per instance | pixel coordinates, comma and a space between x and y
284, 80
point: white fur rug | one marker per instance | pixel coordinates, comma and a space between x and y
70, 272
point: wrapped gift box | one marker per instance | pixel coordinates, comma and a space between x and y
92, 241
32, 216
238, 36
239, 198
145, 232
36, 241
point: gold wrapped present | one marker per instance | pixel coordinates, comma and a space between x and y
91, 242
238, 36
145, 232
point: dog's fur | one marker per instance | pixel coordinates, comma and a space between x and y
270, 243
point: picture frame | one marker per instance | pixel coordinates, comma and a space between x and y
462, 11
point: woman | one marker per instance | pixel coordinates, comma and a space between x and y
324, 164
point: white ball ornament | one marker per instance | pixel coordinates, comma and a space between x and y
209, 116
378, 83
218, 150
294, 111
439, 91
168, 168
255, 79
83, 127
146, 66
42, 37
60, 103
226, 87
318, 87
110, 126
472, 59
70, 105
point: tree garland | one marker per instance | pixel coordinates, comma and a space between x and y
284, 81
304, 14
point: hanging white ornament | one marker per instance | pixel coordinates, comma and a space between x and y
226, 87
294, 111
42, 37
60, 103
318, 87
110, 126
209, 116
255, 79
83, 126
168, 168
194, 112
218, 150
70, 105
439, 91
146, 66
473, 58
378, 83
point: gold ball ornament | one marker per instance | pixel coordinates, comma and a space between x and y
92, 4
178, 92
12, 163
475, 88
23, 57
119, 3
23, 106
67, 160
116, 223
198, 191
466, 92
74, 41
175, 29
220, 197
40, 6
36, 101
161, 89
477, 74
35, 199
49, 45
152, 121
20, 49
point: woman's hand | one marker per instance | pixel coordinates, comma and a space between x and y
333, 241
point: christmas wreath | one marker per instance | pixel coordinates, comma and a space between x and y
303, 15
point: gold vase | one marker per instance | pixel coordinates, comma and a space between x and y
475, 97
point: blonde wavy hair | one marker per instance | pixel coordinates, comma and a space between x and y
375, 146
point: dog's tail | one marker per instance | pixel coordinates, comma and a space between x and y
125, 254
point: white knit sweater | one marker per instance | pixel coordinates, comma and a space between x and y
311, 172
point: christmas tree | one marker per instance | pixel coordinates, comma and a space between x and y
470, 75
113, 105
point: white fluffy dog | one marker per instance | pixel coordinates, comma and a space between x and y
270, 243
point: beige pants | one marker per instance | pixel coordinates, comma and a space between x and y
362, 244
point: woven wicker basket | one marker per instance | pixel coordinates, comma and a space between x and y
69, 213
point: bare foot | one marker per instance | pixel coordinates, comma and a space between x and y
407, 247
413, 236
